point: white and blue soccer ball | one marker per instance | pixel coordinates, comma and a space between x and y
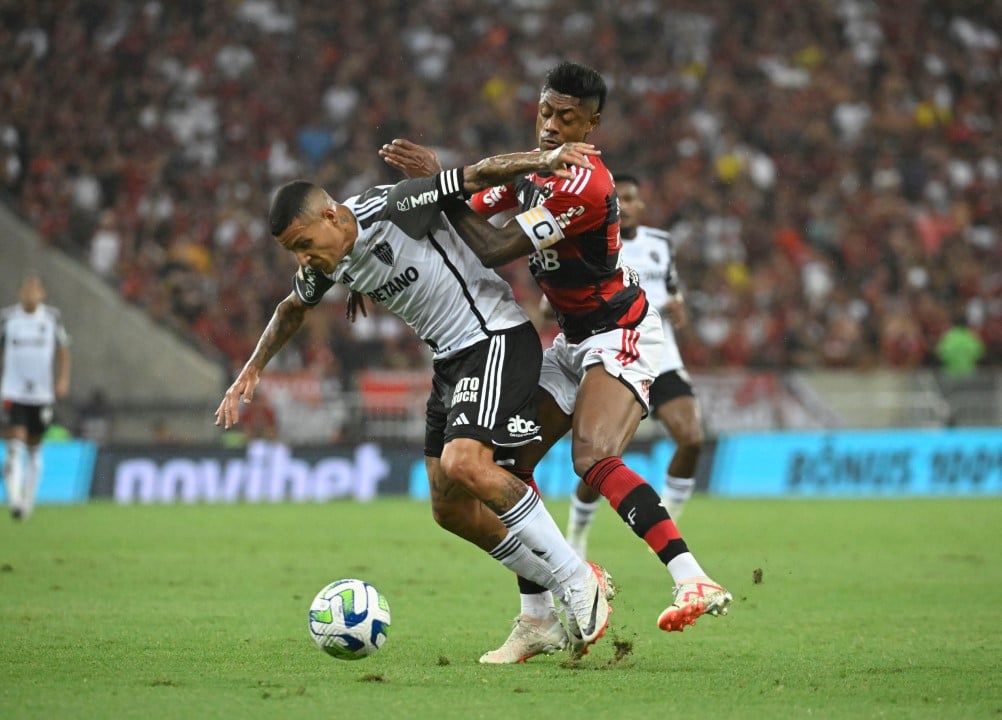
349, 619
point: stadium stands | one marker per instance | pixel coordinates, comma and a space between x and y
831, 171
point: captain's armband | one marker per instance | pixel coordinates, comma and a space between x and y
541, 227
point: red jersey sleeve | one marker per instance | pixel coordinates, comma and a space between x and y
494, 200
579, 203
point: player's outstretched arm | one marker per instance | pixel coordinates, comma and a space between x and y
501, 169
420, 161
286, 320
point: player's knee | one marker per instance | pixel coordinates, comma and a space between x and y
690, 438
686, 433
462, 463
584, 461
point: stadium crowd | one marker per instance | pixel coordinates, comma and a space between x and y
831, 171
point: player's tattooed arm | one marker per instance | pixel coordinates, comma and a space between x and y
420, 160
286, 320
502, 169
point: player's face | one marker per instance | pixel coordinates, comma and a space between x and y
32, 293
563, 119
631, 205
321, 242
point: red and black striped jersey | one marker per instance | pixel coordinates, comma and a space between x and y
574, 223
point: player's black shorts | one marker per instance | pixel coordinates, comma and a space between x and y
670, 385
35, 418
486, 392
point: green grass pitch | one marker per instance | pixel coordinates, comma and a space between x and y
864, 609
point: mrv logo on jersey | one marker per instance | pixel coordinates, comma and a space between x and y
428, 197
268, 473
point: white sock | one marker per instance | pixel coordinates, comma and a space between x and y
538, 605
580, 516
677, 492
579, 523
514, 555
531, 522
13, 469
32, 475
683, 567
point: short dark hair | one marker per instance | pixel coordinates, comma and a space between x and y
625, 178
577, 81
289, 203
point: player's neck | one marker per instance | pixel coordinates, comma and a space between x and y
627, 233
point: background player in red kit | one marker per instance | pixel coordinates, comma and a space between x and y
596, 377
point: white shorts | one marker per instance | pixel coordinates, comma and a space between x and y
632, 355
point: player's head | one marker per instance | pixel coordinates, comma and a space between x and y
308, 223
32, 291
570, 105
631, 204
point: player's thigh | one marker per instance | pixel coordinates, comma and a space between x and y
675, 404
682, 420
606, 417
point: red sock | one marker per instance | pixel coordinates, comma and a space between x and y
638, 505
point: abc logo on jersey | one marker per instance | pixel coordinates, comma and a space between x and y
520, 428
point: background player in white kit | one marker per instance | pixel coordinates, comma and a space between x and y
36, 371
648, 251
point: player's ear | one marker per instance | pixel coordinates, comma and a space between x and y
332, 213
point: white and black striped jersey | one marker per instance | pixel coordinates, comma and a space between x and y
410, 259
649, 253
30, 341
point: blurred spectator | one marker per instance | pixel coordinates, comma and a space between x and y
959, 350
105, 246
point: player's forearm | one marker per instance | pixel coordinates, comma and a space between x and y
502, 169
286, 320
64, 366
493, 246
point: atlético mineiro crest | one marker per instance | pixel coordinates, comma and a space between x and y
383, 253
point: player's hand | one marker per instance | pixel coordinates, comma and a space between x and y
559, 160
677, 312
62, 388
228, 412
355, 305
412, 159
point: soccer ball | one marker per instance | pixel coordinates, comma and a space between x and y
349, 619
